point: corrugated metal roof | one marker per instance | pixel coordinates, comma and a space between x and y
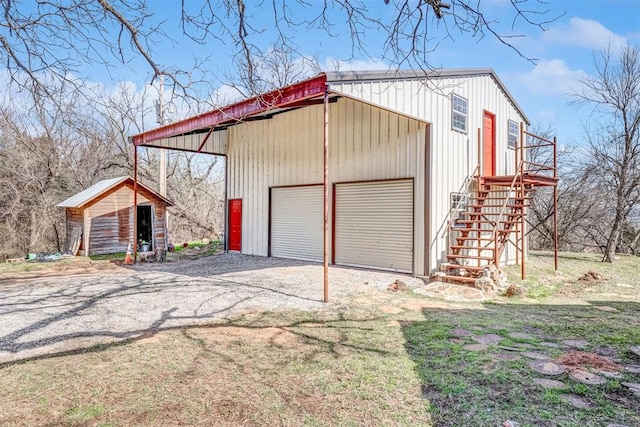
291, 97
385, 75
345, 76
88, 194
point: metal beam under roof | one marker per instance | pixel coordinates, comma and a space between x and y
278, 99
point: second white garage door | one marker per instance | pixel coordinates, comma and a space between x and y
297, 222
374, 225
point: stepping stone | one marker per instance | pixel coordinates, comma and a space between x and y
616, 425
523, 345
608, 374
576, 343
456, 340
576, 401
536, 356
605, 350
546, 367
504, 347
634, 369
477, 328
500, 327
549, 383
460, 333
606, 308
476, 347
585, 377
506, 356
548, 344
635, 350
532, 330
633, 387
487, 338
521, 335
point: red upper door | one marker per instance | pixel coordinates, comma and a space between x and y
489, 145
235, 225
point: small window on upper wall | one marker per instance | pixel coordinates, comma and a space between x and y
458, 113
514, 134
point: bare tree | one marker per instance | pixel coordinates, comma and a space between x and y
275, 69
614, 136
57, 38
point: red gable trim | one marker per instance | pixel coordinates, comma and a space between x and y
276, 99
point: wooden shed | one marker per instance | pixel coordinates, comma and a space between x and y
99, 220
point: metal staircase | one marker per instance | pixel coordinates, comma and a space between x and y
492, 213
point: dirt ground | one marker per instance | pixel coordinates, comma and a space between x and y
61, 309
239, 340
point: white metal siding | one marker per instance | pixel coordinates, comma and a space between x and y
453, 155
216, 143
366, 143
297, 222
374, 225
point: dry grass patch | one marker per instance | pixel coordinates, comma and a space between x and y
336, 371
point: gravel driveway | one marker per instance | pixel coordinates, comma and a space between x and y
55, 314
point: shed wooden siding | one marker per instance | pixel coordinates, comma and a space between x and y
453, 155
366, 143
108, 220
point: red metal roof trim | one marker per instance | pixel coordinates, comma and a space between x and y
276, 99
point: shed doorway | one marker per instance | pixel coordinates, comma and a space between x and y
145, 228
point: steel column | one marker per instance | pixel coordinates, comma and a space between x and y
135, 203
555, 205
326, 196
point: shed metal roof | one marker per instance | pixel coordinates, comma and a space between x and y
101, 187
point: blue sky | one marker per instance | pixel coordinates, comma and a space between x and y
563, 53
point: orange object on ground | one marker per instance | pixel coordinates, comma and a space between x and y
127, 257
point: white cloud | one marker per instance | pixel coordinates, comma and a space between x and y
584, 33
333, 64
552, 77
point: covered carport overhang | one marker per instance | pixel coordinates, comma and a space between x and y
206, 133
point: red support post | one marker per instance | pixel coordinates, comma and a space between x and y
135, 203
326, 197
555, 205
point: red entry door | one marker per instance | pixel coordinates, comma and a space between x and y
235, 225
489, 145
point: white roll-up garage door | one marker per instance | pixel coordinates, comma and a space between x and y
297, 222
374, 225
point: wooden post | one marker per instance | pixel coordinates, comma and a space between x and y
135, 203
555, 205
326, 196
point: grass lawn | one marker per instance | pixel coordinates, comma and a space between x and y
385, 359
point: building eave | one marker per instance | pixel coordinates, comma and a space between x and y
235, 113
